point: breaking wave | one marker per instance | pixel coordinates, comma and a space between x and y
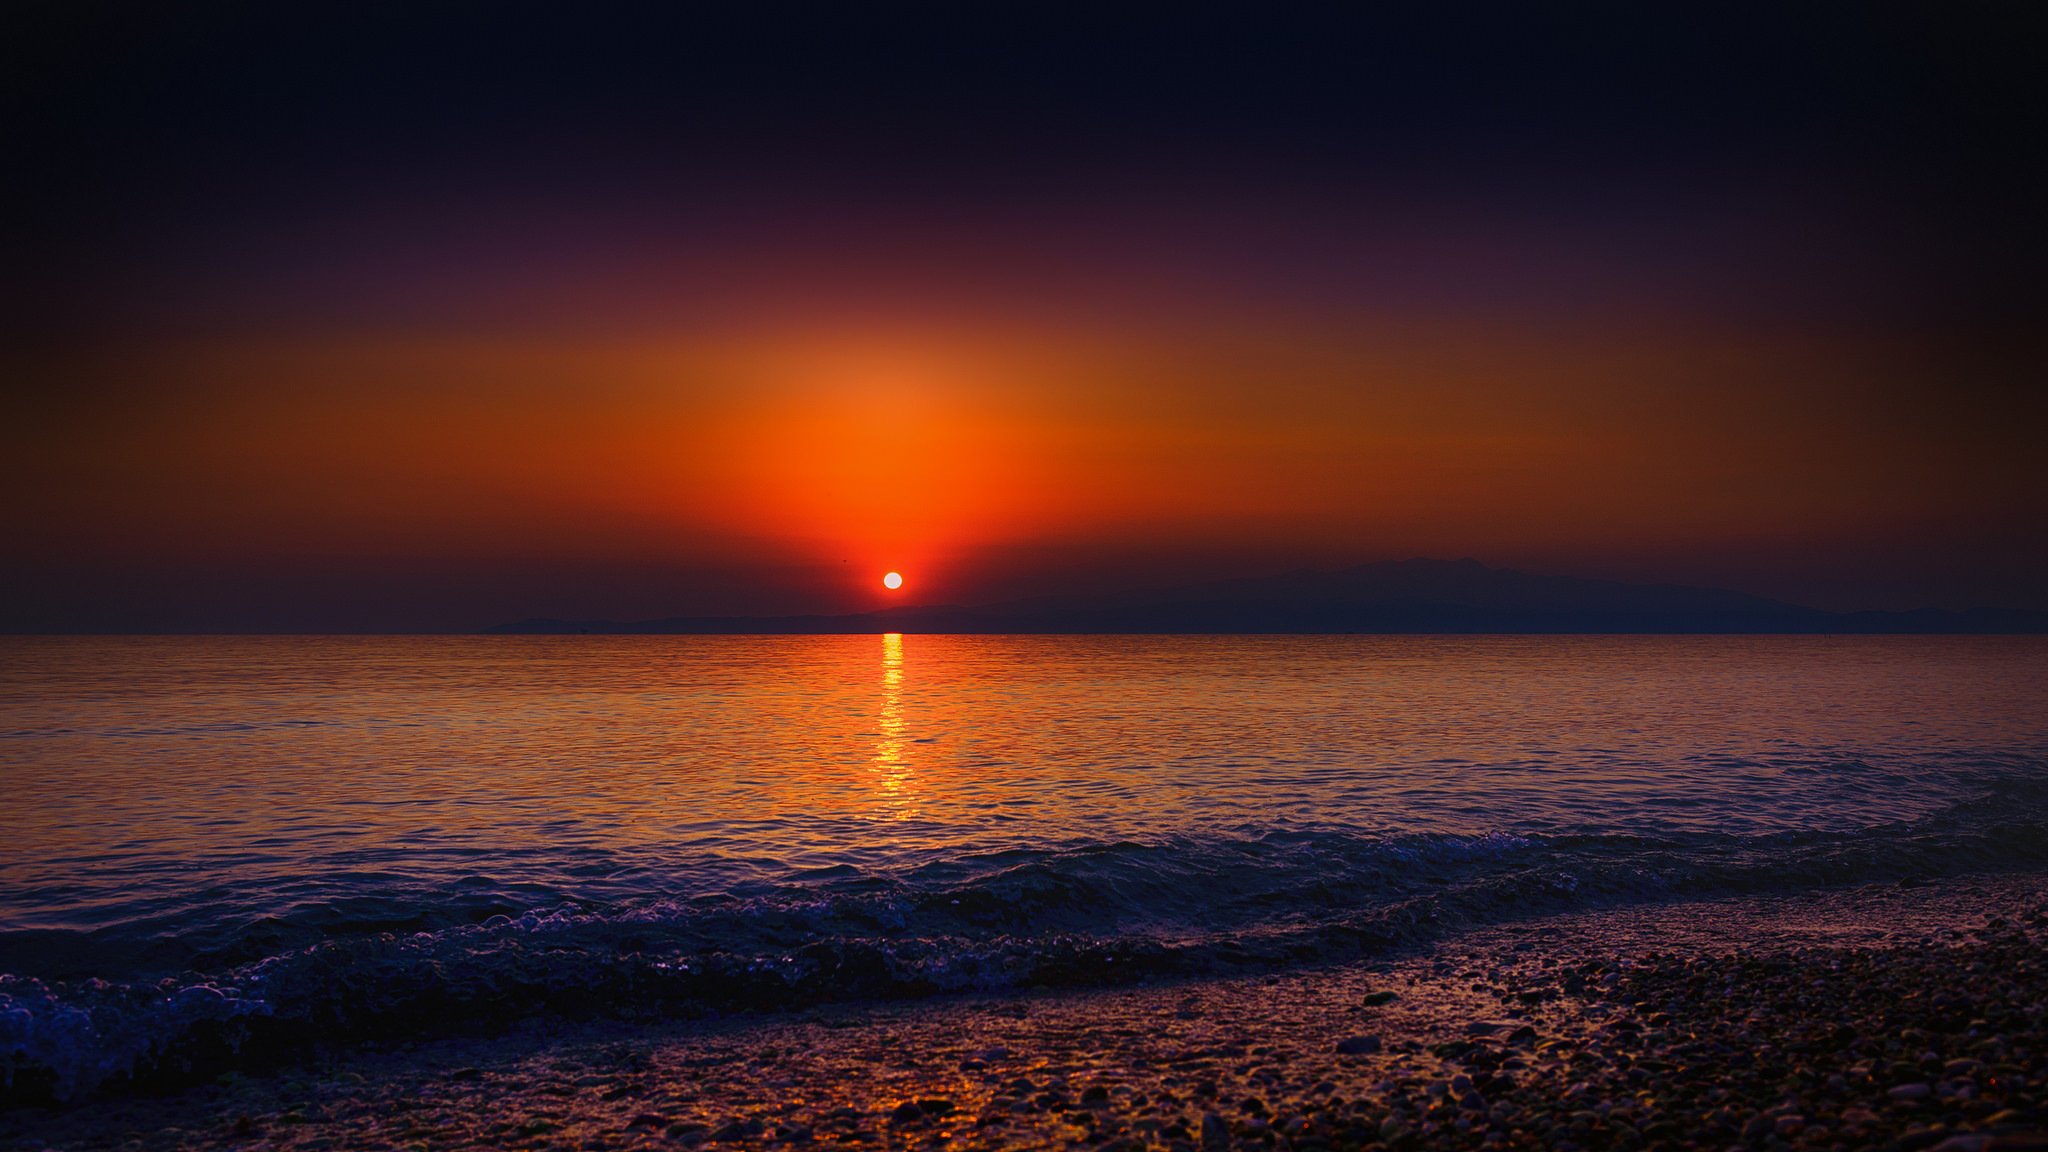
1076, 915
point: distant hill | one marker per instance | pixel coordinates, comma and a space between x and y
1404, 596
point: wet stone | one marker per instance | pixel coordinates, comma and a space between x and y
906, 1113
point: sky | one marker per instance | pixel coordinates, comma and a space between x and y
431, 317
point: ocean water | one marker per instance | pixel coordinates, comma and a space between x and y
213, 847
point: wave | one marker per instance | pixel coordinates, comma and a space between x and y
1086, 914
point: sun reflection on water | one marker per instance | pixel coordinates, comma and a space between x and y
892, 765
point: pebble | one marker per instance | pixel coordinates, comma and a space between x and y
906, 1113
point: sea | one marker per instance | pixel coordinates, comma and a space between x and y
217, 849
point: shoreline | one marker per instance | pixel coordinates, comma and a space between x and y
1909, 1017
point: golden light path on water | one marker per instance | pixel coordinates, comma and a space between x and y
892, 766
602, 767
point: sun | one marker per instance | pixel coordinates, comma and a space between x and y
893, 581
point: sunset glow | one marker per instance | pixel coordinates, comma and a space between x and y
434, 390
1343, 577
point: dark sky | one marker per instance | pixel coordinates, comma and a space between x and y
432, 315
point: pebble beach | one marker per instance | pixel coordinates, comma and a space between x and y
1882, 1016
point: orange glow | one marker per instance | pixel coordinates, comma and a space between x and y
981, 461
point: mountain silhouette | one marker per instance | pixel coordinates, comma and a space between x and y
1402, 596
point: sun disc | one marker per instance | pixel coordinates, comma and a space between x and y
893, 581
